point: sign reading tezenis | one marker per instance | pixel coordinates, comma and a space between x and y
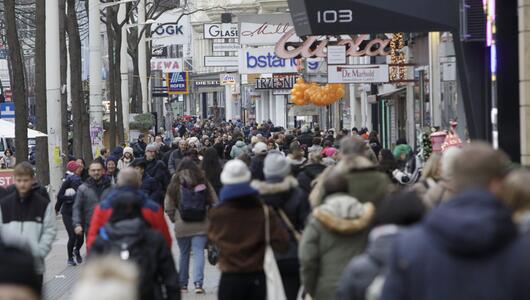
277, 82
368, 16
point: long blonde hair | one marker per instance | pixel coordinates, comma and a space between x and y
432, 168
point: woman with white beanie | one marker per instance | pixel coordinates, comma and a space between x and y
126, 159
237, 227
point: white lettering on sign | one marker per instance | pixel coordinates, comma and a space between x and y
335, 16
313, 47
166, 65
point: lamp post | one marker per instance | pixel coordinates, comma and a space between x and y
95, 82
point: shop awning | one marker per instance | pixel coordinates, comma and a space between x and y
392, 92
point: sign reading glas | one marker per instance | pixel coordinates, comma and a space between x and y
177, 83
221, 31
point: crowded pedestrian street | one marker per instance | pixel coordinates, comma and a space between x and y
264, 150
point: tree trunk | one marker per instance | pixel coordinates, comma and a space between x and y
74, 51
18, 85
112, 78
117, 87
64, 96
42, 161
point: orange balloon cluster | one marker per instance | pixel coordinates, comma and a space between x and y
304, 93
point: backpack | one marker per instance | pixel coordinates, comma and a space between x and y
193, 206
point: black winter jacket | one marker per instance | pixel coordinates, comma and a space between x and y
308, 174
65, 203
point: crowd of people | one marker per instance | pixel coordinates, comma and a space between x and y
339, 220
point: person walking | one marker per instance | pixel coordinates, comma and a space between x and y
468, 247
128, 186
149, 185
128, 236
28, 214
296, 157
238, 149
188, 199
112, 170
280, 190
88, 196
126, 159
335, 233
364, 276
211, 165
237, 227
310, 171
156, 168
65, 203
8, 161
257, 161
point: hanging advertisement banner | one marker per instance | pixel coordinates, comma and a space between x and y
263, 60
166, 65
177, 83
265, 29
367, 16
358, 74
337, 55
167, 32
221, 31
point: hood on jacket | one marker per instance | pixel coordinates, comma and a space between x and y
240, 144
357, 162
472, 223
272, 188
380, 242
344, 214
128, 230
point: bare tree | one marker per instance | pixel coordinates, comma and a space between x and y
63, 65
41, 159
18, 85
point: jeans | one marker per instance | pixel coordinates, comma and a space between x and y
191, 244
74, 241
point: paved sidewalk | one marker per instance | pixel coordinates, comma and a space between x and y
60, 279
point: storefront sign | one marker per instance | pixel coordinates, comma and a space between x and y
305, 110
314, 47
367, 16
358, 74
221, 31
336, 55
263, 60
177, 83
265, 29
6, 178
166, 65
277, 82
226, 47
221, 61
166, 32
206, 83
227, 79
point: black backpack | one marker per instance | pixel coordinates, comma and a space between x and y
193, 203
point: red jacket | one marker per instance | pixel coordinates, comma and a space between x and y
151, 212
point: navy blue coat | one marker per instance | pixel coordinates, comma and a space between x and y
467, 248
153, 189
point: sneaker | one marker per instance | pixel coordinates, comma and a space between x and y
199, 289
78, 258
71, 262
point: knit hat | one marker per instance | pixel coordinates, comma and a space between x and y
72, 166
260, 148
276, 166
234, 172
151, 147
329, 151
128, 150
17, 266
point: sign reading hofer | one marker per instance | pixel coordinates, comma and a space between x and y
358, 73
367, 16
263, 60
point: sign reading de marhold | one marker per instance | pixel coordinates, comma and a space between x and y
358, 73
277, 82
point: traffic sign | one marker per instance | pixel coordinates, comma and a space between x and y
7, 110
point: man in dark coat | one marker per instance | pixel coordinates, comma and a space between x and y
149, 186
155, 167
306, 138
468, 248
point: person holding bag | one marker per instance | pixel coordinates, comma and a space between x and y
237, 226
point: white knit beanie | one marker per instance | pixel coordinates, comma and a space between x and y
235, 171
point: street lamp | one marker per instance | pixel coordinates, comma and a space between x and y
95, 96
